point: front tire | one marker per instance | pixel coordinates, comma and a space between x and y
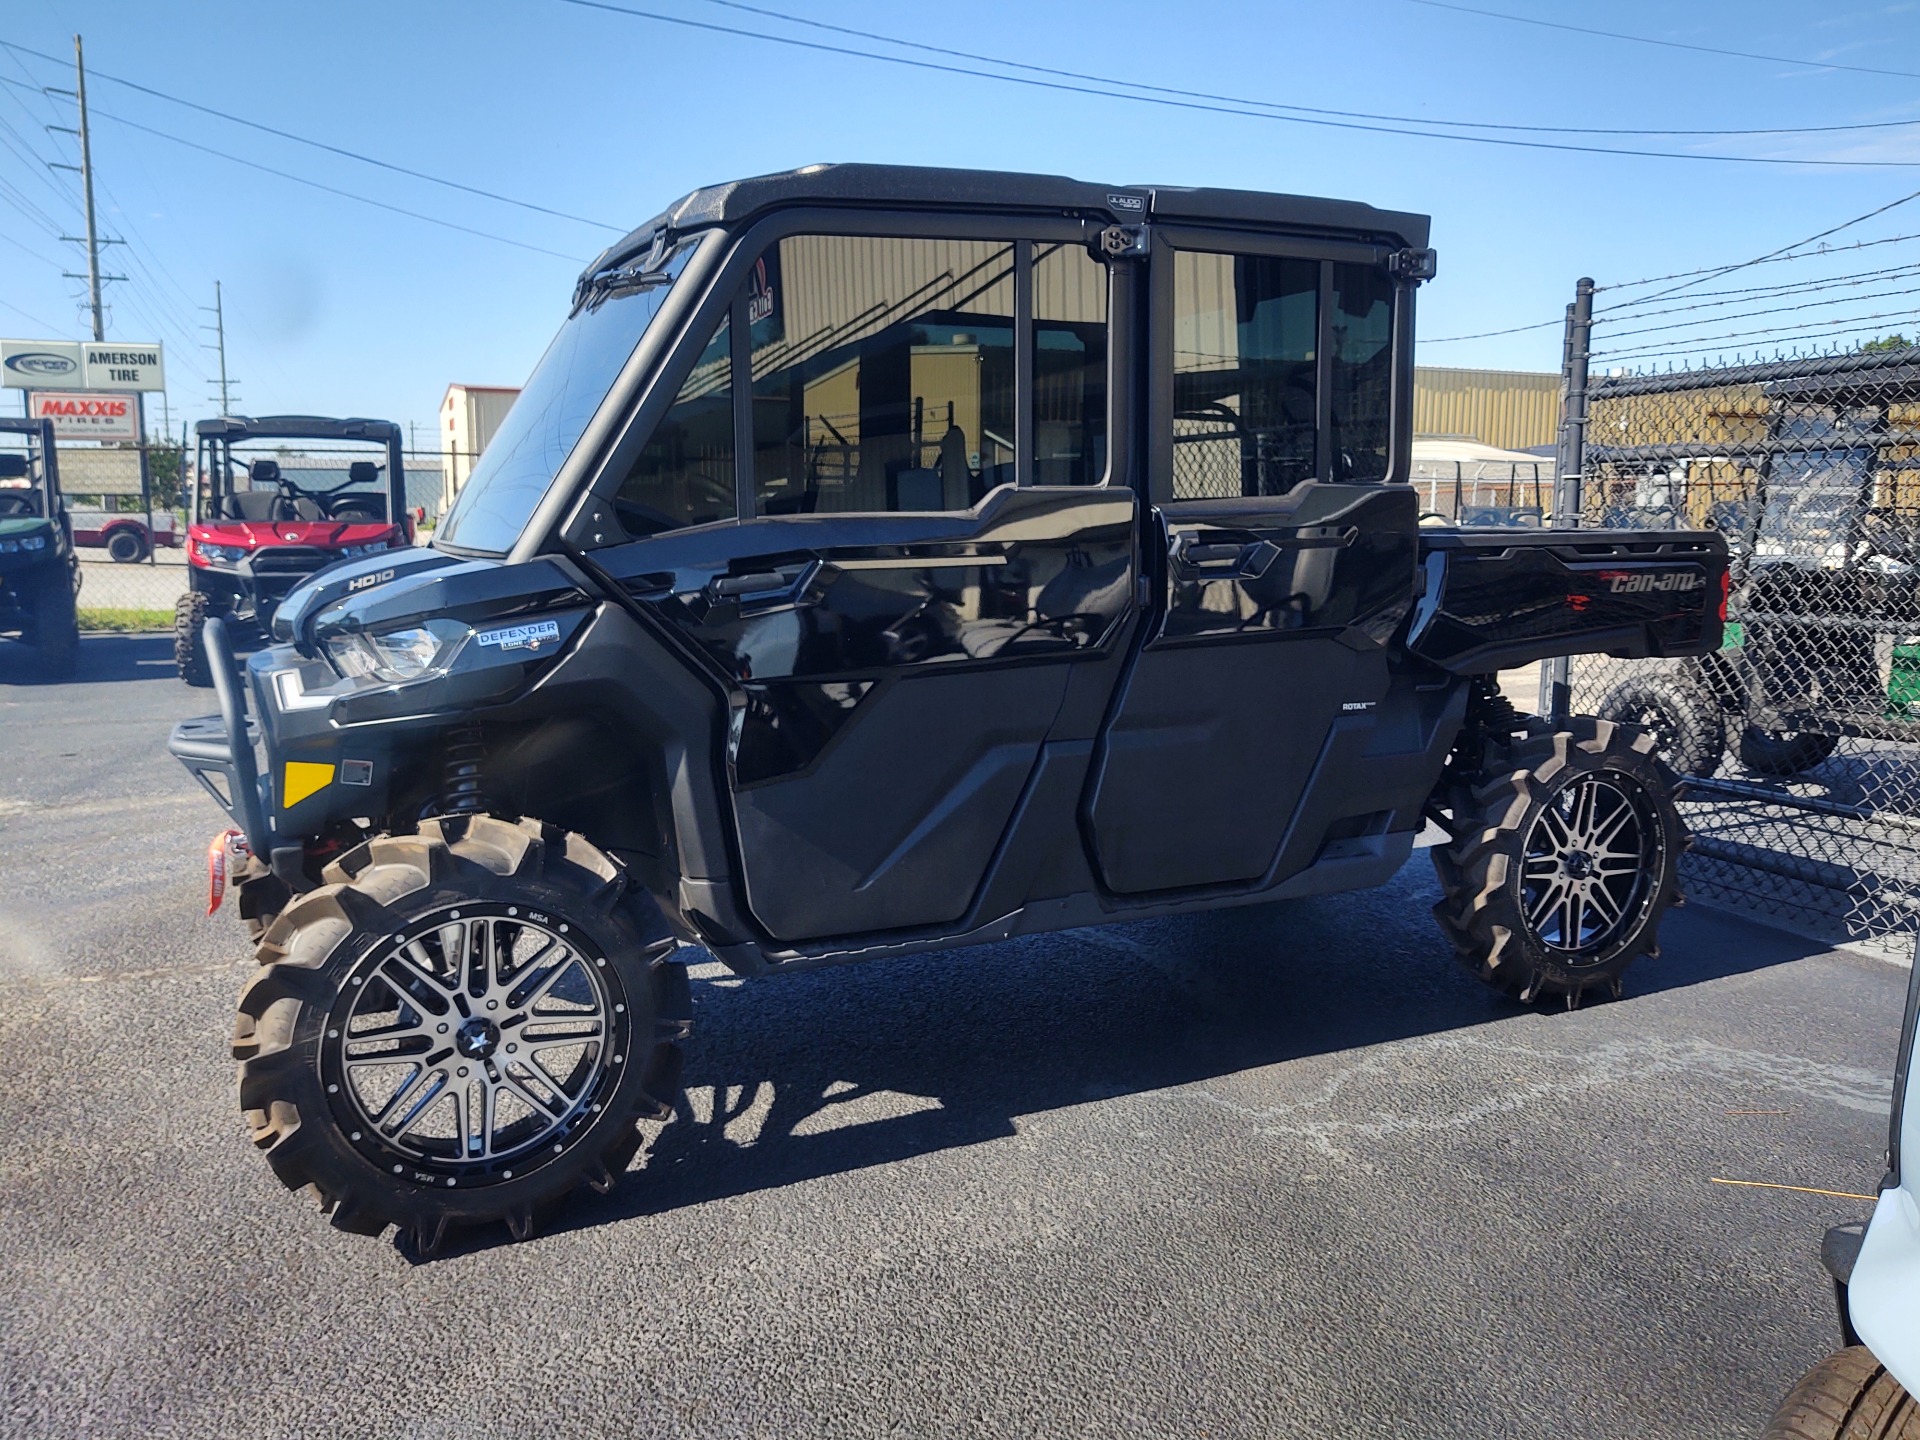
460, 1026
1563, 862
54, 625
189, 639
1847, 1396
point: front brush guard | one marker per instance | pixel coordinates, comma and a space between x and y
206, 745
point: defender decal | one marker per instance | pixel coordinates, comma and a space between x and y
521, 637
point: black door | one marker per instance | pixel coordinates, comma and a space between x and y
1287, 566
921, 553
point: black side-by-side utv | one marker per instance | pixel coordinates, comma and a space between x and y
883, 560
39, 569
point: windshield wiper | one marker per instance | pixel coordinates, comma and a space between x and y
596, 290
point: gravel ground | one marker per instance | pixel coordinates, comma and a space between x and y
1271, 1172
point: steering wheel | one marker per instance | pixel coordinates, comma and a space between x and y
17, 502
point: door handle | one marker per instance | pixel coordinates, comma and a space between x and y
1221, 559
785, 583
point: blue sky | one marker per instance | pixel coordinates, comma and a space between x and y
338, 307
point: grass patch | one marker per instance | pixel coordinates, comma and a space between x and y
123, 621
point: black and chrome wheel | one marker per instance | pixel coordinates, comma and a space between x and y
461, 1026
126, 547
1563, 863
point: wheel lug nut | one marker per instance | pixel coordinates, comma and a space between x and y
442, 1029
493, 1004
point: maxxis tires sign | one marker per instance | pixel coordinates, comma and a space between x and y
86, 415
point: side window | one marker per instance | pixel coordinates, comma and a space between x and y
684, 476
1361, 374
1069, 366
1245, 358
883, 373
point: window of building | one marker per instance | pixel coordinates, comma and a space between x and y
684, 476
1245, 361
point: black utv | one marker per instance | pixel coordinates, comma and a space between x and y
882, 560
39, 569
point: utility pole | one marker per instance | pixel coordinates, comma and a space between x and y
219, 328
86, 183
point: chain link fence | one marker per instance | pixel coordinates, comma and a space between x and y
1801, 737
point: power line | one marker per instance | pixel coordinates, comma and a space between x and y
1488, 334
1780, 253
1209, 107
1275, 105
332, 149
1666, 44
317, 185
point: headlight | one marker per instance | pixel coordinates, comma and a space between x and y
224, 554
417, 652
26, 542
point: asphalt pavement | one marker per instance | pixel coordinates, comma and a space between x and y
1278, 1171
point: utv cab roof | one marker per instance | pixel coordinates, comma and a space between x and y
915, 186
233, 428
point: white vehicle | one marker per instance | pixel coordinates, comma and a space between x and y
1867, 1391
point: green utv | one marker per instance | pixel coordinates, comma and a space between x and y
39, 570
883, 560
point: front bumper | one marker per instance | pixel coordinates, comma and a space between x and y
222, 746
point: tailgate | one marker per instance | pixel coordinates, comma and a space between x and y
1494, 599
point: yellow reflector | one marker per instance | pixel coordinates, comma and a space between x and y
303, 779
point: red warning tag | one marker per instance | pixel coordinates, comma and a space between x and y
222, 850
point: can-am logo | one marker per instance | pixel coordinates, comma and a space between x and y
40, 364
1642, 583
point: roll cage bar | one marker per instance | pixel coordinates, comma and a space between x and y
218, 437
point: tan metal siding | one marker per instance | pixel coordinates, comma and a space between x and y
1508, 409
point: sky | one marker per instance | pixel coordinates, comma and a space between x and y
334, 306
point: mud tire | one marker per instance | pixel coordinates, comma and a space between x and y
1482, 911
1847, 1396
312, 952
189, 643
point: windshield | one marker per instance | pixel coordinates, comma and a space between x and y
545, 423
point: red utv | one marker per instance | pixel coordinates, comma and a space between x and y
277, 499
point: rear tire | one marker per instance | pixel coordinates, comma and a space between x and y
1847, 1396
428, 955
125, 546
1689, 732
1563, 863
189, 639
1784, 753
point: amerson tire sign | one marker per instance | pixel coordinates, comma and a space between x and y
116, 365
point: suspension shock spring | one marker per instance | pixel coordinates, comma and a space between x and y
463, 757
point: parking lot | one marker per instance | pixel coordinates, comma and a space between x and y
1277, 1171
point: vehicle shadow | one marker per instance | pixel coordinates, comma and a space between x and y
798, 1077
102, 658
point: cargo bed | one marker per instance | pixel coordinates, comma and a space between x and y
1495, 598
